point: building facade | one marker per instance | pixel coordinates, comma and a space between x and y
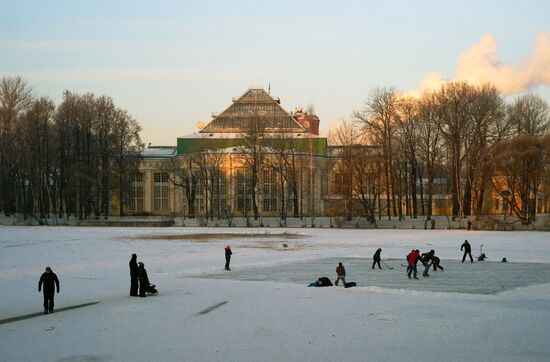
255, 159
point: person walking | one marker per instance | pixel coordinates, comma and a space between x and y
228, 254
49, 279
376, 258
435, 263
133, 276
412, 260
340, 274
467, 251
426, 260
143, 279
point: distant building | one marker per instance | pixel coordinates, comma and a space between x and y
255, 159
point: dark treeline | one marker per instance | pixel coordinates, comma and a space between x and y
461, 140
69, 159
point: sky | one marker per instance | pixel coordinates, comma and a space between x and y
174, 63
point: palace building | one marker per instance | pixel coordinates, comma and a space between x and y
255, 159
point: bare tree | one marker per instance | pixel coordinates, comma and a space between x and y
378, 118
184, 172
348, 139
209, 162
454, 102
408, 137
518, 171
487, 126
251, 155
127, 144
429, 144
15, 97
530, 114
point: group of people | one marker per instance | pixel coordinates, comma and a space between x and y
138, 278
429, 259
139, 281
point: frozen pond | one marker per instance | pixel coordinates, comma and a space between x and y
487, 277
263, 309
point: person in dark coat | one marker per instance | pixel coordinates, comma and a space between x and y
49, 279
376, 258
435, 263
228, 254
426, 260
143, 279
340, 274
412, 260
467, 251
324, 282
133, 276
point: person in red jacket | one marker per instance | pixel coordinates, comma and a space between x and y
412, 259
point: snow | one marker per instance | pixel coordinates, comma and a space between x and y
262, 309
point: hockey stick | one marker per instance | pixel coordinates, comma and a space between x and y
386, 265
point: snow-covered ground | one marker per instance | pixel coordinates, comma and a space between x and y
261, 310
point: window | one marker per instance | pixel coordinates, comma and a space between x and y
160, 192
200, 205
244, 191
136, 192
337, 182
219, 192
270, 190
340, 183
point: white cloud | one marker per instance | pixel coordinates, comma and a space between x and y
481, 63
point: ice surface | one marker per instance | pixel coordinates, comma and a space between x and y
198, 318
478, 278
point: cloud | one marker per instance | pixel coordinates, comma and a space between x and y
481, 64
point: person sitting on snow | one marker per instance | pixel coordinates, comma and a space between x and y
143, 279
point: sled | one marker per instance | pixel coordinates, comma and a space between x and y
152, 290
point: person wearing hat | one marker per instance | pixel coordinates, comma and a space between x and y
435, 263
412, 259
49, 279
426, 260
143, 279
467, 251
376, 258
133, 276
340, 274
228, 254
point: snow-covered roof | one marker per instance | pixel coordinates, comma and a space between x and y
234, 135
159, 152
